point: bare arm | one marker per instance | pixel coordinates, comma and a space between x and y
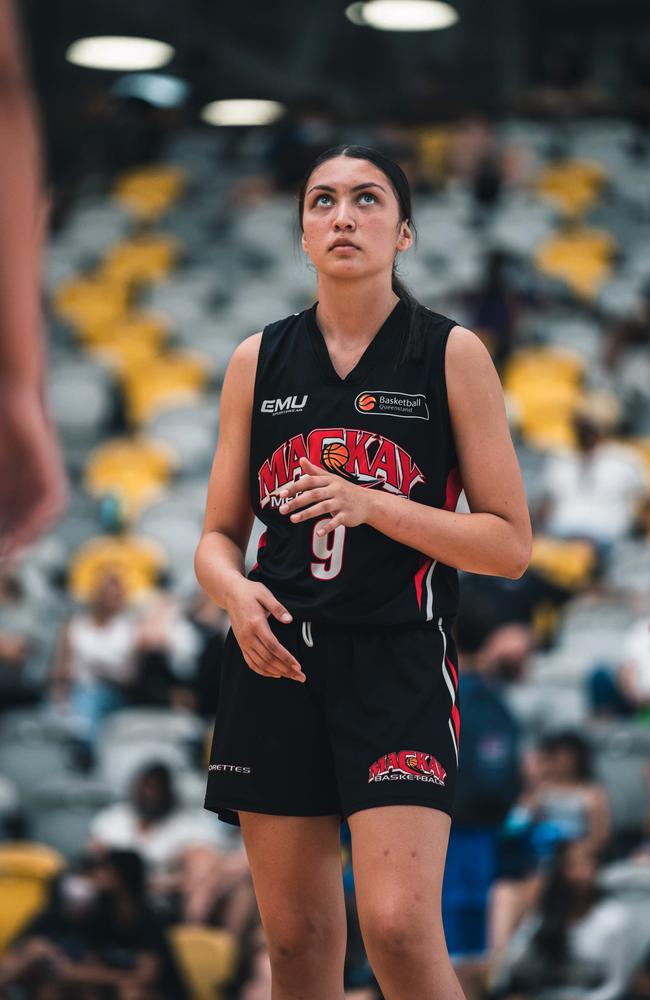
22, 213
496, 537
219, 558
33, 482
219, 561
62, 662
599, 817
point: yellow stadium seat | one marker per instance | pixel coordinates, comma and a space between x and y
26, 868
134, 469
122, 354
207, 956
568, 563
545, 384
136, 325
580, 256
572, 185
145, 257
136, 559
147, 192
88, 302
172, 379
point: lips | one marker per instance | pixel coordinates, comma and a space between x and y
343, 243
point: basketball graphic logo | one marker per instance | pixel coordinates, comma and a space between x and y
366, 401
335, 454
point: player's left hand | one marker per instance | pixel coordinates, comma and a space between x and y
328, 493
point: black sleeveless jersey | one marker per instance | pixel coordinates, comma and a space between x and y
380, 428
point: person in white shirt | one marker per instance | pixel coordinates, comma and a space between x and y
624, 689
597, 489
94, 660
575, 946
186, 856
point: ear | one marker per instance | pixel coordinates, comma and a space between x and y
405, 236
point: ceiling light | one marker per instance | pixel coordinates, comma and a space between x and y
405, 15
119, 52
242, 112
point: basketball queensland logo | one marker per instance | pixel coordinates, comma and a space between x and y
392, 404
407, 765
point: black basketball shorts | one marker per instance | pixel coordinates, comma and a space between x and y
376, 722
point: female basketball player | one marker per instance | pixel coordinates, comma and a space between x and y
350, 429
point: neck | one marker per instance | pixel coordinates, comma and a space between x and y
351, 313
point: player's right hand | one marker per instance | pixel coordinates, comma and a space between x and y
249, 611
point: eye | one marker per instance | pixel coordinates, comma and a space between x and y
364, 194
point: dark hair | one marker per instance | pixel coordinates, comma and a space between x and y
577, 745
556, 905
130, 867
161, 773
412, 345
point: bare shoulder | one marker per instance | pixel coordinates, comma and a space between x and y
463, 347
239, 379
244, 357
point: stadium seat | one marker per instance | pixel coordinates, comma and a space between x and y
25, 870
207, 956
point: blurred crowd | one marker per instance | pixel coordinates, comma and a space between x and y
114, 881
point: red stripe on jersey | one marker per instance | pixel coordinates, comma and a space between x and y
260, 545
452, 489
456, 720
418, 578
453, 672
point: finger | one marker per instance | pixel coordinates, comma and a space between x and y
255, 663
271, 646
309, 466
327, 526
318, 509
318, 477
274, 663
273, 606
261, 662
318, 493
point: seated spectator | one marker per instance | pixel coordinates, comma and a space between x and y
25, 641
559, 801
624, 690
567, 802
166, 652
189, 877
55, 937
574, 944
188, 871
96, 937
94, 661
596, 491
130, 945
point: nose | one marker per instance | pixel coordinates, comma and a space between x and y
344, 218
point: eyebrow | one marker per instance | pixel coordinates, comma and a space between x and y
357, 187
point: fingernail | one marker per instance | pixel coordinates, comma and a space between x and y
286, 617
